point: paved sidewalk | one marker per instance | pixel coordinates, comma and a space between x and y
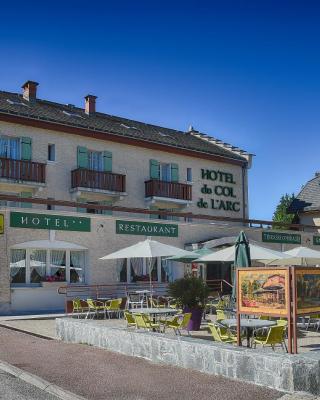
99, 375
12, 388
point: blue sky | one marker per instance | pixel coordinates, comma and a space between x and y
246, 72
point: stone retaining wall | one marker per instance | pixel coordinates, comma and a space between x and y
275, 370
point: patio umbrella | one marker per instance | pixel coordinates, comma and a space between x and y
242, 257
303, 256
193, 255
257, 253
146, 249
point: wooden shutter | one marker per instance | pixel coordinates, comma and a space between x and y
82, 157
174, 173
154, 169
107, 161
26, 148
81, 200
26, 195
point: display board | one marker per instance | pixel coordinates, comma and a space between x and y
263, 291
307, 290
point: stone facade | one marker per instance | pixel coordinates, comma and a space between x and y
132, 161
283, 372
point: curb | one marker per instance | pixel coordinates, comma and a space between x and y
39, 382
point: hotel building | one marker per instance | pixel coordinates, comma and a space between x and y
69, 161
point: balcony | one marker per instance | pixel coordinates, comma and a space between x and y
86, 180
172, 192
21, 171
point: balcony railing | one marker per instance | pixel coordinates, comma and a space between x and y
98, 180
20, 170
173, 190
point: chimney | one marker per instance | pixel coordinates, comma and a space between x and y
90, 106
30, 90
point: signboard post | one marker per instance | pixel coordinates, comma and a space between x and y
1, 224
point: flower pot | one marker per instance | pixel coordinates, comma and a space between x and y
53, 284
196, 317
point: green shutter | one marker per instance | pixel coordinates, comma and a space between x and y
82, 157
107, 161
154, 169
26, 148
81, 200
26, 195
106, 203
174, 173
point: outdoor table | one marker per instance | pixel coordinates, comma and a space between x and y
154, 312
249, 324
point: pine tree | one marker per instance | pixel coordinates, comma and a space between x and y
281, 214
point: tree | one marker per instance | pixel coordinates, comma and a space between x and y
281, 214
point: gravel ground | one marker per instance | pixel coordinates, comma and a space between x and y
13, 388
98, 374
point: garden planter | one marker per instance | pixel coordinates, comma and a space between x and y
196, 317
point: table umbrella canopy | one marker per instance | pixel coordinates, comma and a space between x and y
193, 255
303, 256
257, 253
147, 249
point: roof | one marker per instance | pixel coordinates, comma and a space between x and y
67, 115
309, 197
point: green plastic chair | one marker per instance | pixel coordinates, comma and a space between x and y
274, 336
78, 308
130, 319
178, 323
95, 307
113, 307
142, 322
219, 337
220, 315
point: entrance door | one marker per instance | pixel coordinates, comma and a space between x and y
216, 272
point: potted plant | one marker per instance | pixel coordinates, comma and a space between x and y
190, 294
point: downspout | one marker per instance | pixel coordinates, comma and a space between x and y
244, 190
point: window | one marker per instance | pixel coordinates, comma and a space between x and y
165, 172
49, 206
189, 174
95, 160
51, 152
36, 266
10, 148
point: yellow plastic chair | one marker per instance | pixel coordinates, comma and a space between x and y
220, 315
131, 322
142, 322
219, 337
264, 317
113, 307
274, 336
95, 307
178, 323
78, 308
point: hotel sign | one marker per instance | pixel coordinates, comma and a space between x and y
278, 237
1, 223
48, 221
146, 228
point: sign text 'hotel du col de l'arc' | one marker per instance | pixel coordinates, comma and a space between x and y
48, 221
220, 186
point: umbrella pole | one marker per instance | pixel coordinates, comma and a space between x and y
150, 279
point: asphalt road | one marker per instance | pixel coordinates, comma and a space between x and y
13, 388
102, 375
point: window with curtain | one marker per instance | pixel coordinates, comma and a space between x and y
58, 264
38, 264
18, 266
77, 263
137, 266
95, 160
10, 148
